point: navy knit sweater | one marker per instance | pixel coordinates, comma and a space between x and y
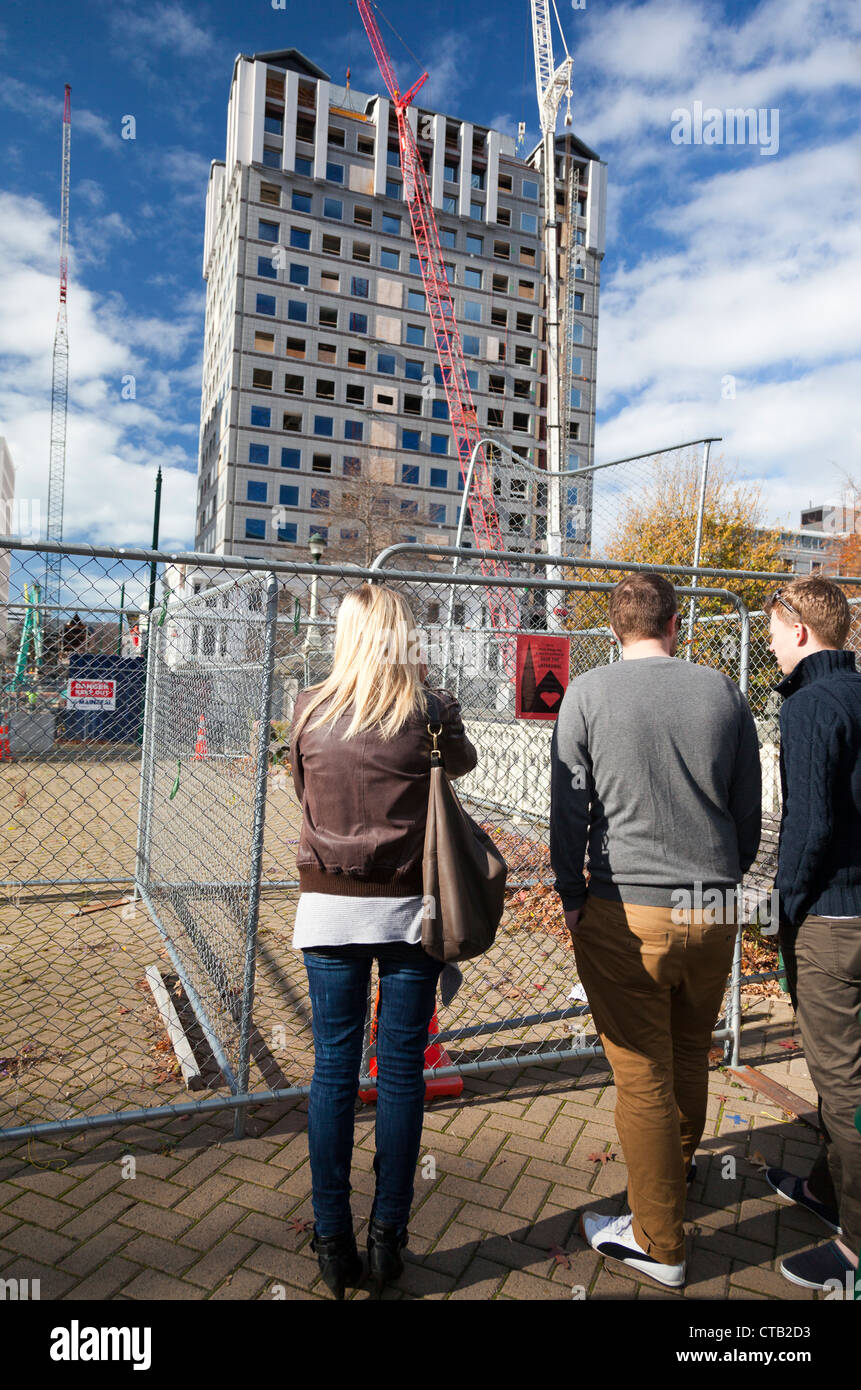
819, 861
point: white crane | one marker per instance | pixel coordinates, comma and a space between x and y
552, 84
59, 386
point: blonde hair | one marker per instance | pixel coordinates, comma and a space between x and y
375, 671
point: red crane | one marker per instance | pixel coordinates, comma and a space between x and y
502, 602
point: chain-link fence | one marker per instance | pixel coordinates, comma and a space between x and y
203, 786
134, 777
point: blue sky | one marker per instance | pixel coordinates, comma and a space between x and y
730, 286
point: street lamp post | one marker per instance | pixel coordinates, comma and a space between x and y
316, 545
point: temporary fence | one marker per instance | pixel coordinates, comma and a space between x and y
145, 936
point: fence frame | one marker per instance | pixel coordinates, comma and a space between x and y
375, 573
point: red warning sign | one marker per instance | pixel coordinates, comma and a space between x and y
542, 675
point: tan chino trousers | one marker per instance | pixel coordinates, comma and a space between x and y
655, 988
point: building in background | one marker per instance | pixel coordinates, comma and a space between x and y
321, 389
836, 518
806, 550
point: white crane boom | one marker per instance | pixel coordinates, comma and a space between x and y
552, 84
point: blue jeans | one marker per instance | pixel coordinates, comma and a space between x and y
339, 978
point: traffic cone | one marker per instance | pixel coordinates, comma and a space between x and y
435, 1056
5, 750
200, 746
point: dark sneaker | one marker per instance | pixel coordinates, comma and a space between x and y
791, 1189
823, 1266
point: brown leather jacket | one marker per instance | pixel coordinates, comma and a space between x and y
364, 801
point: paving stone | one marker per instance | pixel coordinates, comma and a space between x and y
504, 1171
263, 1199
484, 1146
155, 1220
35, 1241
527, 1197
53, 1283
220, 1261
547, 1152
7, 1222
151, 1285
284, 1267
213, 1226
432, 1216
201, 1166
105, 1179
252, 1170
49, 1184
489, 1219
707, 1271
38, 1210
271, 1231
87, 1256
542, 1111
523, 1286
765, 1280
480, 1280
94, 1217
168, 1257
203, 1198
241, 1285
104, 1282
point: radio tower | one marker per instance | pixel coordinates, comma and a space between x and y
59, 388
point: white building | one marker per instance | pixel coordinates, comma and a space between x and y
319, 364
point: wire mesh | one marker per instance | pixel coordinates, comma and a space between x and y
110, 787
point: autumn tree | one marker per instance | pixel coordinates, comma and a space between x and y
656, 525
366, 514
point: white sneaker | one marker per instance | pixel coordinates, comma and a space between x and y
614, 1237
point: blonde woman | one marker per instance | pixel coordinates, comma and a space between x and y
360, 754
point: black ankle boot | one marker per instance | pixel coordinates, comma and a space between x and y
339, 1261
384, 1261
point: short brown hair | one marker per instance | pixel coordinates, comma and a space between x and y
819, 604
641, 606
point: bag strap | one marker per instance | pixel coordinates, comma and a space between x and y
434, 718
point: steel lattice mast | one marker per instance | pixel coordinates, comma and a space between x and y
502, 602
551, 85
59, 381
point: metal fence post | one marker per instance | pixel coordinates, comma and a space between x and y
260, 788
146, 777
697, 546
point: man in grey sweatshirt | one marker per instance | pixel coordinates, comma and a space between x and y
656, 787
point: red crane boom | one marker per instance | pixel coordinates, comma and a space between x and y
502, 602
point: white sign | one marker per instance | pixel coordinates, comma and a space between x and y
90, 694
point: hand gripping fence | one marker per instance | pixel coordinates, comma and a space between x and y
149, 823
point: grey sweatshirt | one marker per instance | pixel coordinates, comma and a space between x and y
655, 772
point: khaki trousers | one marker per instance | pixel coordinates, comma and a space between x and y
655, 988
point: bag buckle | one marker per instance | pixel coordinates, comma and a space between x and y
435, 734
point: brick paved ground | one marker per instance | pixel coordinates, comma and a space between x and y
207, 1217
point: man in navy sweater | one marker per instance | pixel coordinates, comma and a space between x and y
819, 892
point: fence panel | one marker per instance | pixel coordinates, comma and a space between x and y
172, 833
124, 891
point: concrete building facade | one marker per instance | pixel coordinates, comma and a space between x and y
320, 377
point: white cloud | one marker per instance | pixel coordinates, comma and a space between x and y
40, 108
113, 445
164, 26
